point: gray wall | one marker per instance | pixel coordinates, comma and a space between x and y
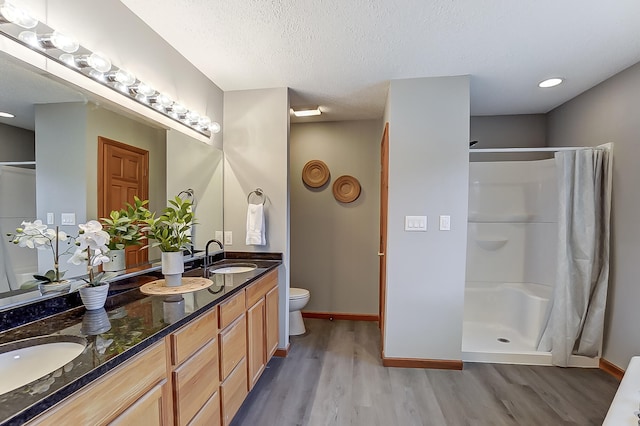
428, 175
256, 153
334, 245
509, 131
16, 144
609, 112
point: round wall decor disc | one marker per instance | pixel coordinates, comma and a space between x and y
346, 189
315, 173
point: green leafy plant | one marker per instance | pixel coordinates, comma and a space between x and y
171, 230
125, 226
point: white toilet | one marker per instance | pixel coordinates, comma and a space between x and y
298, 298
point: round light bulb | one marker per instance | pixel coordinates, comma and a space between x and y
64, 42
125, 77
69, 60
179, 109
95, 74
204, 122
99, 62
215, 127
30, 38
145, 89
164, 101
15, 15
193, 117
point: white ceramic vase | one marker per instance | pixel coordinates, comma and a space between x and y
94, 297
172, 268
117, 261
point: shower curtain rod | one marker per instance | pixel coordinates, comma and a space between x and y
17, 163
545, 149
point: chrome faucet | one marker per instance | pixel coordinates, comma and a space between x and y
205, 272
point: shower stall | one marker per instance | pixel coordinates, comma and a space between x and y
511, 262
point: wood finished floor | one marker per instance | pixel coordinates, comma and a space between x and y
333, 376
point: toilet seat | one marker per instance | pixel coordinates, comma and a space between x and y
298, 293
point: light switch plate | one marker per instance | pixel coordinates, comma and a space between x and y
228, 238
50, 219
445, 223
218, 236
68, 218
415, 223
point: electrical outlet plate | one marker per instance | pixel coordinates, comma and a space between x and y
228, 238
50, 219
218, 236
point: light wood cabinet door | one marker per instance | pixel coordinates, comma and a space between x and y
233, 391
256, 356
257, 290
149, 410
195, 382
233, 346
209, 415
272, 324
105, 399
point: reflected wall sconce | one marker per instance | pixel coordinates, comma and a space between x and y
17, 24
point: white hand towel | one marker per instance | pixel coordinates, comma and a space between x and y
255, 225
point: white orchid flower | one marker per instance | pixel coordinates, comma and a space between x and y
93, 236
79, 257
99, 258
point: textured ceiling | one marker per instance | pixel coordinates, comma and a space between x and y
341, 54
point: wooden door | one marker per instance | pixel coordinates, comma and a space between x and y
384, 191
123, 172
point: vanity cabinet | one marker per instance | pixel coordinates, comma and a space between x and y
195, 371
262, 325
134, 391
233, 354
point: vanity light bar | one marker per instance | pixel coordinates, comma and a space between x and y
18, 25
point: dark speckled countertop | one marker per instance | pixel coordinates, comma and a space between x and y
130, 322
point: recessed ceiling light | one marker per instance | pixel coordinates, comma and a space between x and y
306, 112
6, 115
550, 82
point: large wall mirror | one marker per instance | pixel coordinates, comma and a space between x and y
48, 166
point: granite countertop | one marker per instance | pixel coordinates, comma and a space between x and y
130, 322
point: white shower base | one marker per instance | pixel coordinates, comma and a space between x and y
502, 323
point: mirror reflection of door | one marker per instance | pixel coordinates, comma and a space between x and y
123, 172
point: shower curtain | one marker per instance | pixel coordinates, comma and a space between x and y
576, 321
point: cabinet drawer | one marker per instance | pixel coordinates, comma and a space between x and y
231, 309
210, 413
233, 346
195, 382
258, 289
233, 392
188, 339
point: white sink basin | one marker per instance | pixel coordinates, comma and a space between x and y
24, 361
238, 268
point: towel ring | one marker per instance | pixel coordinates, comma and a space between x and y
260, 193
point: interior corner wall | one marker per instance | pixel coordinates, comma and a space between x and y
195, 165
428, 176
334, 245
61, 184
509, 131
256, 152
609, 113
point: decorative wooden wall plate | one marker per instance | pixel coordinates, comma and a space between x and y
315, 173
346, 189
